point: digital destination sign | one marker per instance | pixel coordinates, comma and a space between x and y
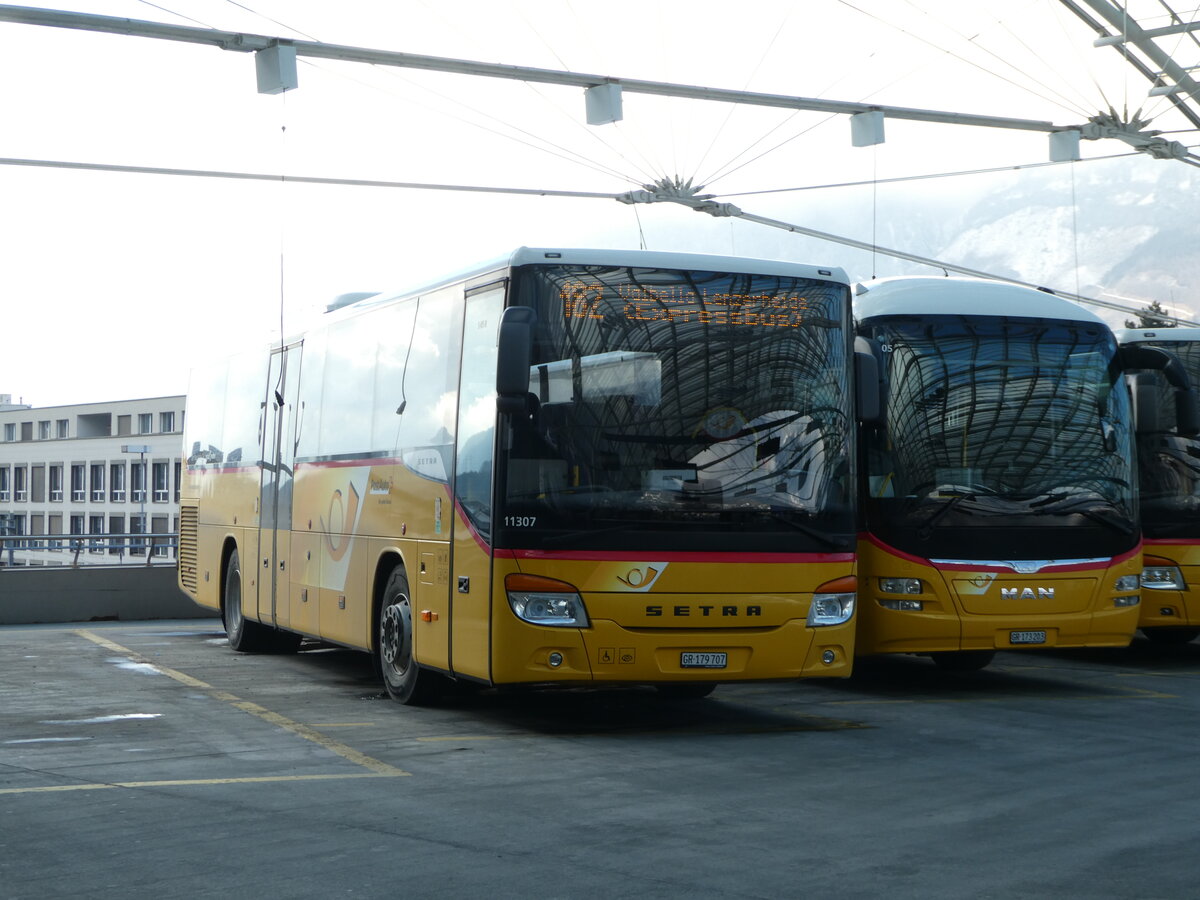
681, 304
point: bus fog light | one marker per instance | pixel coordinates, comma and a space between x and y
555, 659
908, 605
1127, 601
828, 657
901, 585
1160, 578
1127, 583
830, 609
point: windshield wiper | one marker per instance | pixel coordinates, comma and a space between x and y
1054, 505
926, 528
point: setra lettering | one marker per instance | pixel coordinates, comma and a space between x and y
686, 610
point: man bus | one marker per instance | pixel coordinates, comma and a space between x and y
1169, 478
999, 506
574, 467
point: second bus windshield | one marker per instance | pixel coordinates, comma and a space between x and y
998, 432
680, 410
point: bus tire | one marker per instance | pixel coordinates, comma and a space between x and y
403, 677
1171, 636
244, 636
963, 660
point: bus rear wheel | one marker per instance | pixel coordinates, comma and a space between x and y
963, 660
403, 677
1171, 636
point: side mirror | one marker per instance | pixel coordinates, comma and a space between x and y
514, 354
868, 388
1187, 414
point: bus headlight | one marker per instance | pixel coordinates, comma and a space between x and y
1161, 578
830, 609
901, 586
1127, 583
545, 601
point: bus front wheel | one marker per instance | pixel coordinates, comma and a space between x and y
244, 635
402, 676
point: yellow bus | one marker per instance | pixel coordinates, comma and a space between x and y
1169, 476
999, 505
572, 467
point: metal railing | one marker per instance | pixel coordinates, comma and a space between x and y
77, 550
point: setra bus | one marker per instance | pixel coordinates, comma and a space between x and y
1168, 454
572, 467
999, 504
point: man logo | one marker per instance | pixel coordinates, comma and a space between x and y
1041, 593
642, 578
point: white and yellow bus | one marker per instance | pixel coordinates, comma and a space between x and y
999, 504
1169, 469
573, 467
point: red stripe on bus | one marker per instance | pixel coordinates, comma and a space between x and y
677, 556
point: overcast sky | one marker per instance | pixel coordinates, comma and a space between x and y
113, 284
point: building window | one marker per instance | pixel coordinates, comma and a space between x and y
76, 532
178, 473
62, 428
37, 484
137, 526
159, 546
44, 430
116, 545
145, 423
20, 487
166, 422
97, 479
27, 431
116, 484
137, 482
56, 483
10, 431
54, 528
124, 425
5, 488
78, 482
95, 527
162, 482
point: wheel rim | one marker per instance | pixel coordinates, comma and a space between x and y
233, 601
395, 636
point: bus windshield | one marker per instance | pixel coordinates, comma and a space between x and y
999, 432
680, 410
1169, 464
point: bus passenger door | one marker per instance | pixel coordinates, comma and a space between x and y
471, 581
278, 458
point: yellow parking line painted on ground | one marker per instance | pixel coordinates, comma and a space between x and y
304, 731
58, 788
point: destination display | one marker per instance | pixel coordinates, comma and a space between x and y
681, 304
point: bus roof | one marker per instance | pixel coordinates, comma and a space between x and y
1157, 335
932, 296
607, 257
